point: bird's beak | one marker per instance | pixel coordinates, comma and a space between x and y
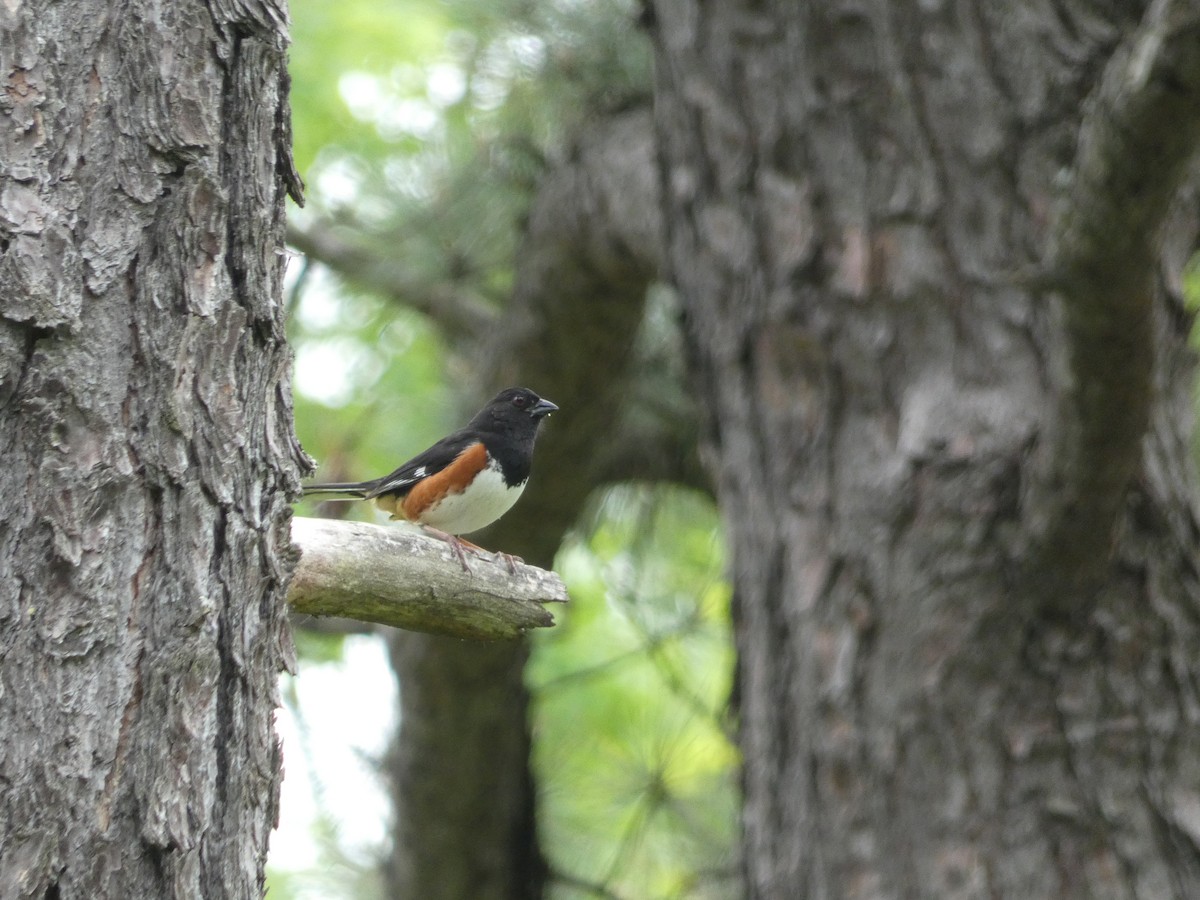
542, 408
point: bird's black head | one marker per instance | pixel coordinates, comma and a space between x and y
518, 401
518, 408
508, 427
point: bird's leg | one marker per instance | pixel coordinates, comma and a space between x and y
457, 544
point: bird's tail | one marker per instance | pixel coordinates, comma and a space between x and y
350, 490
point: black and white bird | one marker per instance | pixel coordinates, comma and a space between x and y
465, 481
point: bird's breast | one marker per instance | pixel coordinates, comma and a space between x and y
476, 506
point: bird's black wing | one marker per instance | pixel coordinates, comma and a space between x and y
421, 466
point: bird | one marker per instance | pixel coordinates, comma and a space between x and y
465, 481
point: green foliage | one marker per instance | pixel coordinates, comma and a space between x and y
378, 78
422, 128
331, 43
316, 647
1191, 284
632, 752
377, 392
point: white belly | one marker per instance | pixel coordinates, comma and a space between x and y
481, 504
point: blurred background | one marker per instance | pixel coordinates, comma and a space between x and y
446, 145
869, 186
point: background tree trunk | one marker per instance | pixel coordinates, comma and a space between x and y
957, 486
463, 794
147, 445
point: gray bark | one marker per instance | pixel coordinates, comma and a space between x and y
147, 445
951, 434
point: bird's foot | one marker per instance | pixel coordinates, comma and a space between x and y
510, 561
461, 546
457, 544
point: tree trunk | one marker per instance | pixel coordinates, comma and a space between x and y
949, 404
147, 445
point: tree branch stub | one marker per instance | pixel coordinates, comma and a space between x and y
395, 576
1135, 149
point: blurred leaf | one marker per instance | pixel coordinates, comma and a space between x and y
1191, 284
637, 774
331, 41
314, 647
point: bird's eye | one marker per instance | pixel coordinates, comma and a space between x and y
520, 402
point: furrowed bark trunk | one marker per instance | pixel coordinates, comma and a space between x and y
147, 445
953, 462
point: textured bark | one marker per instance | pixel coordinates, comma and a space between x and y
902, 351
147, 445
